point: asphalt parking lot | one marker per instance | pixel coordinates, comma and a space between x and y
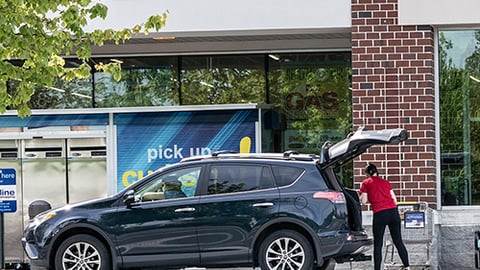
342, 266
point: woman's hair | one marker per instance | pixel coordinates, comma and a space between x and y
371, 169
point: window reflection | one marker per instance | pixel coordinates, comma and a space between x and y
148, 81
313, 93
61, 95
238, 178
223, 79
174, 185
460, 116
310, 91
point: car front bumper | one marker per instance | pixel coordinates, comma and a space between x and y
36, 262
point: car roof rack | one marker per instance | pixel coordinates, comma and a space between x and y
287, 155
215, 154
295, 155
221, 152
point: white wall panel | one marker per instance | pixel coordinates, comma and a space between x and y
438, 12
222, 15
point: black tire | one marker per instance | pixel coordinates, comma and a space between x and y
82, 252
287, 250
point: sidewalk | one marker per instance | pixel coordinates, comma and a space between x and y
341, 266
354, 266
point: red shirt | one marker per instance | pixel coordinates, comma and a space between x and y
378, 191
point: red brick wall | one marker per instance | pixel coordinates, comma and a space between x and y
393, 86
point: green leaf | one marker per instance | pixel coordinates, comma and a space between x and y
98, 11
39, 33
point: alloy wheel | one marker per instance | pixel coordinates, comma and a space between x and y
81, 256
285, 254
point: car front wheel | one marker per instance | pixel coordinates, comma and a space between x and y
286, 250
82, 252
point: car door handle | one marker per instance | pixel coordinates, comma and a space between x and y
264, 204
183, 210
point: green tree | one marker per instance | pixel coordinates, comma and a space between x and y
459, 121
138, 87
37, 34
451, 100
451, 120
223, 86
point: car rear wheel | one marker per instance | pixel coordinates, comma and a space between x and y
82, 252
287, 250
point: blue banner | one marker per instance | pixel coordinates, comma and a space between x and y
149, 141
36, 121
8, 189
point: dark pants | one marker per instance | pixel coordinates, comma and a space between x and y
381, 220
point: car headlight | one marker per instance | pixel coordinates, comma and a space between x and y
44, 217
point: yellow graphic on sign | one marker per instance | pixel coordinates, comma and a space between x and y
245, 144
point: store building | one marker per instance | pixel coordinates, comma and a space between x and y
327, 67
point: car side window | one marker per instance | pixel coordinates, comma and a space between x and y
177, 184
239, 178
285, 175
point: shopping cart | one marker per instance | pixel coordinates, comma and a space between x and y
417, 229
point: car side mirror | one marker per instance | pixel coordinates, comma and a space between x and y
37, 207
129, 197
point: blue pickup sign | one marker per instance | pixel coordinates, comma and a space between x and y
8, 190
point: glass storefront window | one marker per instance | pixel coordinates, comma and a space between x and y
148, 81
64, 95
459, 87
223, 79
312, 91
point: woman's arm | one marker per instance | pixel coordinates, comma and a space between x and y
364, 198
393, 196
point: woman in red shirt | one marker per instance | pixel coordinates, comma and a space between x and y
379, 193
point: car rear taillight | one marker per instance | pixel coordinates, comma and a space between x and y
333, 196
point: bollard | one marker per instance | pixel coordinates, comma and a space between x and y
2, 231
477, 249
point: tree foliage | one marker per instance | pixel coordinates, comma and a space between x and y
459, 121
37, 34
223, 86
138, 87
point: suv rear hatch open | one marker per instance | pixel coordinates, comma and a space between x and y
334, 155
357, 143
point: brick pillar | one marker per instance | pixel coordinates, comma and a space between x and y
393, 86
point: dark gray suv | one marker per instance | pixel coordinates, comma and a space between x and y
274, 211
